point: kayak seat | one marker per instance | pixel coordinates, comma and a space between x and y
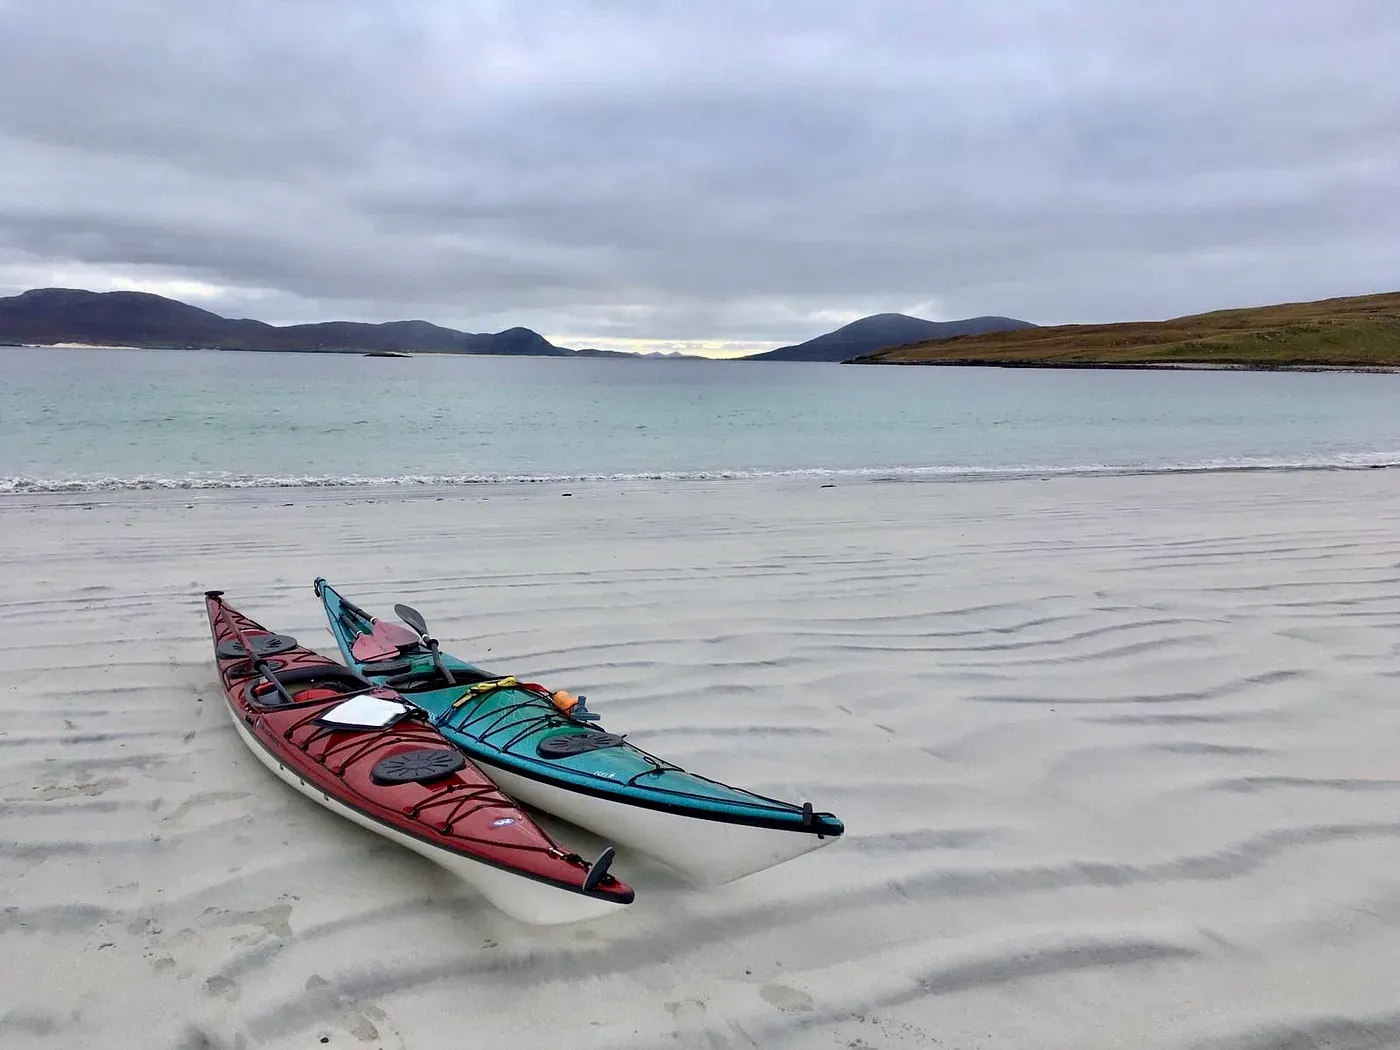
430, 679
386, 667
330, 680
338, 672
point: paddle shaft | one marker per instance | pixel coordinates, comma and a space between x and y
437, 659
414, 619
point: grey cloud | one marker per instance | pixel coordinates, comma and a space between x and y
716, 171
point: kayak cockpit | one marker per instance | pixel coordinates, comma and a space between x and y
307, 685
429, 679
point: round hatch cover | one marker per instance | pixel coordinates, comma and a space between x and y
263, 645
565, 745
426, 763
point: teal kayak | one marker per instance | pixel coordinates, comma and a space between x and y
545, 748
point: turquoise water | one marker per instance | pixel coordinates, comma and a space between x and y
112, 419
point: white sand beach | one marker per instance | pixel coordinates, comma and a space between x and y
1118, 757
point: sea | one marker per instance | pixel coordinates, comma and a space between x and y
90, 419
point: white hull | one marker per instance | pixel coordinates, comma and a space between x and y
520, 897
706, 852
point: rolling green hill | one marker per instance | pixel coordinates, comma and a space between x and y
1353, 332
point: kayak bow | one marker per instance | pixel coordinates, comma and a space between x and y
366, 753
545, 749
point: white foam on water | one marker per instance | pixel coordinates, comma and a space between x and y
155, 482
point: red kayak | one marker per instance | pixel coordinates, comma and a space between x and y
366, 753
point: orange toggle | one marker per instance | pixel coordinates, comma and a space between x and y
566, 702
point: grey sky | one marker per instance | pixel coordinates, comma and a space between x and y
733, 173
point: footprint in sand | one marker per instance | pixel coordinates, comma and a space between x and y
276, 920
689, 1015
362, 1028
162, 951
785, 998
365, 1021
84, 785
222, 986
203, 798
178, 951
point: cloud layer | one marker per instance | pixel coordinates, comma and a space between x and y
737, 173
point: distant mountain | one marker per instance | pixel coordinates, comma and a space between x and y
655, 355
69, 315
880, 331
72, 315
63, 315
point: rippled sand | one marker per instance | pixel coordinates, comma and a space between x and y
1119, 760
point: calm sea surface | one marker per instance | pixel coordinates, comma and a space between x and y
112, 419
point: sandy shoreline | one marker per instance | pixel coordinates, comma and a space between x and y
1116, 758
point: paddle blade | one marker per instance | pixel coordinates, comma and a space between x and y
413, 618
599, 869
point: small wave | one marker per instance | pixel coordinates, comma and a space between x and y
150, 482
